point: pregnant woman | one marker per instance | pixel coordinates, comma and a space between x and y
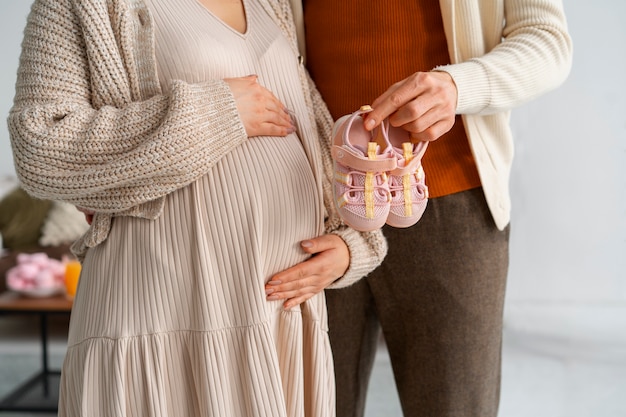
189, 132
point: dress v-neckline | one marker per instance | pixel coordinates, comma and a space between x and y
226, 25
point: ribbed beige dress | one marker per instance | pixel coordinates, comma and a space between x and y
171, 318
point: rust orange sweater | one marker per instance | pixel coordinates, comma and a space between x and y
355, 60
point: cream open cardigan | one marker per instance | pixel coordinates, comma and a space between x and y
90, 125
502, 53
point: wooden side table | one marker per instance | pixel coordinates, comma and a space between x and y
40, 393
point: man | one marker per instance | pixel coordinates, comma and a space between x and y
448, 72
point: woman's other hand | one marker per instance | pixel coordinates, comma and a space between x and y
261, 112
330, 260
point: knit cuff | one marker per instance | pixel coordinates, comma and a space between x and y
216, 113
472, 84
367, 251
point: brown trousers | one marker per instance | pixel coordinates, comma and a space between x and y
439, 299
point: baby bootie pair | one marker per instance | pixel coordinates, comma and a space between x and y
378, 175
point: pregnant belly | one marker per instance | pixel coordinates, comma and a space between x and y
267, 197
221, 238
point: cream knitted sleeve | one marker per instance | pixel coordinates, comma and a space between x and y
505, 52
79, 134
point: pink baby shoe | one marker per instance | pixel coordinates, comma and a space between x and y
360, 185
409, 193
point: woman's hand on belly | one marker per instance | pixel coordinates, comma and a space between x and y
261, 113
330, 260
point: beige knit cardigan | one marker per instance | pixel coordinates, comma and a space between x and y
503, 53
91, 126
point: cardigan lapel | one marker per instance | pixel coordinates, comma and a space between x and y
464, 23
448, 14
139, 49
298, 18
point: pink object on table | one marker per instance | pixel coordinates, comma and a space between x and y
36, 275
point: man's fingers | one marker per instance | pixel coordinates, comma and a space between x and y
423, 103
384, 109
392, 100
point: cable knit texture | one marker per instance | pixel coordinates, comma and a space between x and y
90, 125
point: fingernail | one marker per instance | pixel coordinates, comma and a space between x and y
306, 244
268, 291
291, 130
273, 298
287, 306
369, 123
275, 282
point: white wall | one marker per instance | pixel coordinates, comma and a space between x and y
568, 246
12, 20
569, 179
